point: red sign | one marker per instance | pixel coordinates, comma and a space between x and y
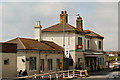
79, 46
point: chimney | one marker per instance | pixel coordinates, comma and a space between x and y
38, 31
79, 23
63, 17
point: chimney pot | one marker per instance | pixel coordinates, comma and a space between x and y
79, 17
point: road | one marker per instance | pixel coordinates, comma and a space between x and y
104, 75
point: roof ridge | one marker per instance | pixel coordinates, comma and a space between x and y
21, 43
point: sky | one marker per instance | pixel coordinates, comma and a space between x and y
18, 18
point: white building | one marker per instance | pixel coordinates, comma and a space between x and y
86, 46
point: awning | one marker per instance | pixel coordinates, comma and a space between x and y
93, 54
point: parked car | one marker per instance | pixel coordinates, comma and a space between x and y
116, 67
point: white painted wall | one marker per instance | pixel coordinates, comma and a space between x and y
95, 44
58, 38
20, 63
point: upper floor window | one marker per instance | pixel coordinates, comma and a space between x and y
85, 44
99, 44
88, 44
80, 40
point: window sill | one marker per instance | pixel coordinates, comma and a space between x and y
32, 70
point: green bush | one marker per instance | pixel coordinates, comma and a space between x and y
112, 59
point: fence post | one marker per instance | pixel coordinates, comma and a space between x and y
80, 73
42, 77
57, 76
35, 76
68, 74
63, 75
50, 77
73, 73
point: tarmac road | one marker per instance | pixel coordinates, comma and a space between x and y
102, 75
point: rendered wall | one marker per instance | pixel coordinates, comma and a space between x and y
9, 70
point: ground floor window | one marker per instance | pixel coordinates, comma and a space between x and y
49, 64
42, 65
58, 64
32, 63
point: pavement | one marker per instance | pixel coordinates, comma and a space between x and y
106, 74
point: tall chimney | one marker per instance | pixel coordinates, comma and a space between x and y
79, 23
63, 17
38, 31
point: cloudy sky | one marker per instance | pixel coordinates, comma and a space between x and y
18, 18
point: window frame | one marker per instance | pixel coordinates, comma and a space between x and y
79, 40
88, 44
99, 44
85, 43
42, 65
6, 61
49, 64
58, 64
32, 64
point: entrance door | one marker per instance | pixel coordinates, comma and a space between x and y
66, 64
91, 64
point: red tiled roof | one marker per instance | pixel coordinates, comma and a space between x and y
25, 43
68, 27
59, 27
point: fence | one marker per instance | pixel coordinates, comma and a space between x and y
67, 74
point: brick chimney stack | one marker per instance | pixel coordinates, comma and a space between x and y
38, 31
63, 17
79, 23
